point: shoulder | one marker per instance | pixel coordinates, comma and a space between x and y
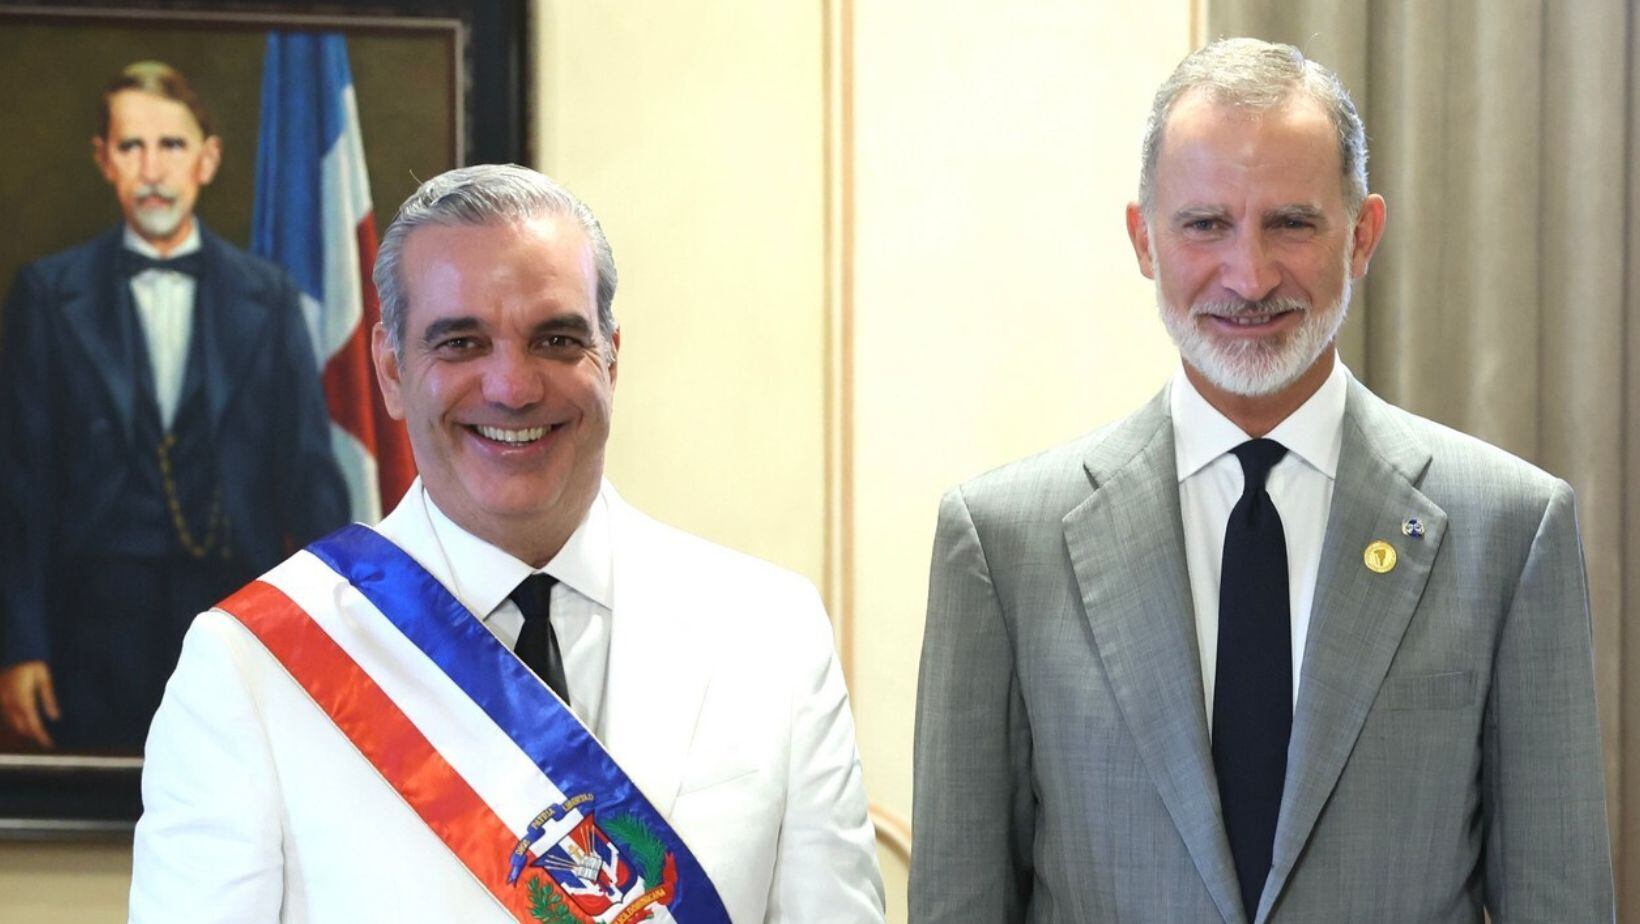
1463, 472
241, 268
71, 268
695, 562
725, 592
1043, 488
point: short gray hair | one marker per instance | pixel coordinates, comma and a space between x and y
486, 194
1259, 76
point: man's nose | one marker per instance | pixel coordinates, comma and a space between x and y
514, 379
1249, 270
150, 164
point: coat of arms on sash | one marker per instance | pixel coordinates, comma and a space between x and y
615, 870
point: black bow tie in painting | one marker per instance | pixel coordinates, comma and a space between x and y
131, 263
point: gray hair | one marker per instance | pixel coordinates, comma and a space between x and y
1259, 76
486, 194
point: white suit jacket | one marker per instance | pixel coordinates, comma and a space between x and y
724, 704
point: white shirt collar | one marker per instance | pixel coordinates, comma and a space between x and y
136, 242
487, 574
1313, 433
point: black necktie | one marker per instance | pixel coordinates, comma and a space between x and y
1253, 687
131, 263
537, 644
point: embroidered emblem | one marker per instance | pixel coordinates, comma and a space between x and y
617, 871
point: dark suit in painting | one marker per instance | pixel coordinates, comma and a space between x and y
125, 530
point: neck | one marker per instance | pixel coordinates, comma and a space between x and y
533, 538
1257, 415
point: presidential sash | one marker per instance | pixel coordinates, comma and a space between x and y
529, 802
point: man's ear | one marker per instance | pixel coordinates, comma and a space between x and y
100, 157
614, 355
210, 158
387, 371
1368, 231
1139, 233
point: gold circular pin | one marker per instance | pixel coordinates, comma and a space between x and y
1380, 557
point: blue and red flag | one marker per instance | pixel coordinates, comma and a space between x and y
313, 217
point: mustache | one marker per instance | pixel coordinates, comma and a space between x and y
156, 191
1240, 307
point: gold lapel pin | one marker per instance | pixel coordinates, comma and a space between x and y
1380, 557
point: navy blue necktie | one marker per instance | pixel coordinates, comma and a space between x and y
537, 644
1253, 684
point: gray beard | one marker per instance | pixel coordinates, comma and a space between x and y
1255, 368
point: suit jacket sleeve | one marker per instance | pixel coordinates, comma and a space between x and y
208, 843
1547, 853
312, 497
27, 477
974, 810
826, 865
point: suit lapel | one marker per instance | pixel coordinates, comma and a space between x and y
1126, 544
1358, 616
229, 323
659, 663
101, 319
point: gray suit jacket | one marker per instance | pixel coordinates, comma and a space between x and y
1444, 753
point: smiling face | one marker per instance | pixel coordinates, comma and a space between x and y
505, 382
156, 158
1251, 244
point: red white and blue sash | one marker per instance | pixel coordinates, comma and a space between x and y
522, 794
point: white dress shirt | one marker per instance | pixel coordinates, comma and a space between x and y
165, 307
1300, 485
482, 577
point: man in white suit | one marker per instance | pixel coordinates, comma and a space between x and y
1269, 649
651, 728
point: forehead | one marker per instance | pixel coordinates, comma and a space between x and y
543, 265
1212, 150
138, 111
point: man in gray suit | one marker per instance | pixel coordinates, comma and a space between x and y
1269, 649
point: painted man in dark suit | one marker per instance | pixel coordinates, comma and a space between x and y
163, 437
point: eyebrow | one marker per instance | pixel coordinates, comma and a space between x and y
1298, 211
445, 326
570, 322
567, 322
1192, 213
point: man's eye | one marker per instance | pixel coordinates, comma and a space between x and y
560, 342
455, 345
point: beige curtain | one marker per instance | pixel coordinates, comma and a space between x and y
1505, 299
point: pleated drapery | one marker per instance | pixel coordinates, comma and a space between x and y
1505, 298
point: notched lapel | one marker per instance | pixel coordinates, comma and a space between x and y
232, 323
1358, 616
659, 664
101, 318
1126, 544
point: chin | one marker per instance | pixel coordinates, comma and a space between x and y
1253, 374
159, 223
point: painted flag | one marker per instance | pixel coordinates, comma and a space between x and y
312, 216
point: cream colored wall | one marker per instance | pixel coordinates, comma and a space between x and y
933, 189
939, 190
997, 307
692, 129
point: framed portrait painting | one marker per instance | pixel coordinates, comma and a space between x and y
110, 539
